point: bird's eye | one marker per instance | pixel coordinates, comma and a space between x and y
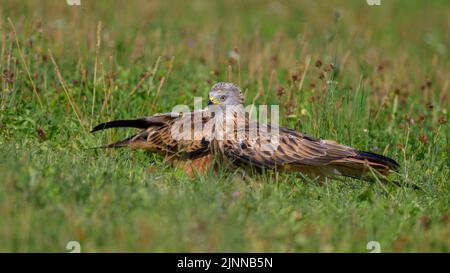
222, 98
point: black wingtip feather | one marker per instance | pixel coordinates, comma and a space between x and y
380, 159
132, 123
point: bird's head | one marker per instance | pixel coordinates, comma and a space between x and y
225, 93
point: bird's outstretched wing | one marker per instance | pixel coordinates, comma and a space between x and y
295, 151
163, 134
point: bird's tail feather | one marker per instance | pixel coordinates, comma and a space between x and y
121, 143
127, 142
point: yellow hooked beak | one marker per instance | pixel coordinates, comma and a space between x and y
213, 100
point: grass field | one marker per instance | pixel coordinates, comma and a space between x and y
373, 77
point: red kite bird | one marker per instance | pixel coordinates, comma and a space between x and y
194, 140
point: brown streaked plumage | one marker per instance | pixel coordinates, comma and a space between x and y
311, 156
295, 152
156, 137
